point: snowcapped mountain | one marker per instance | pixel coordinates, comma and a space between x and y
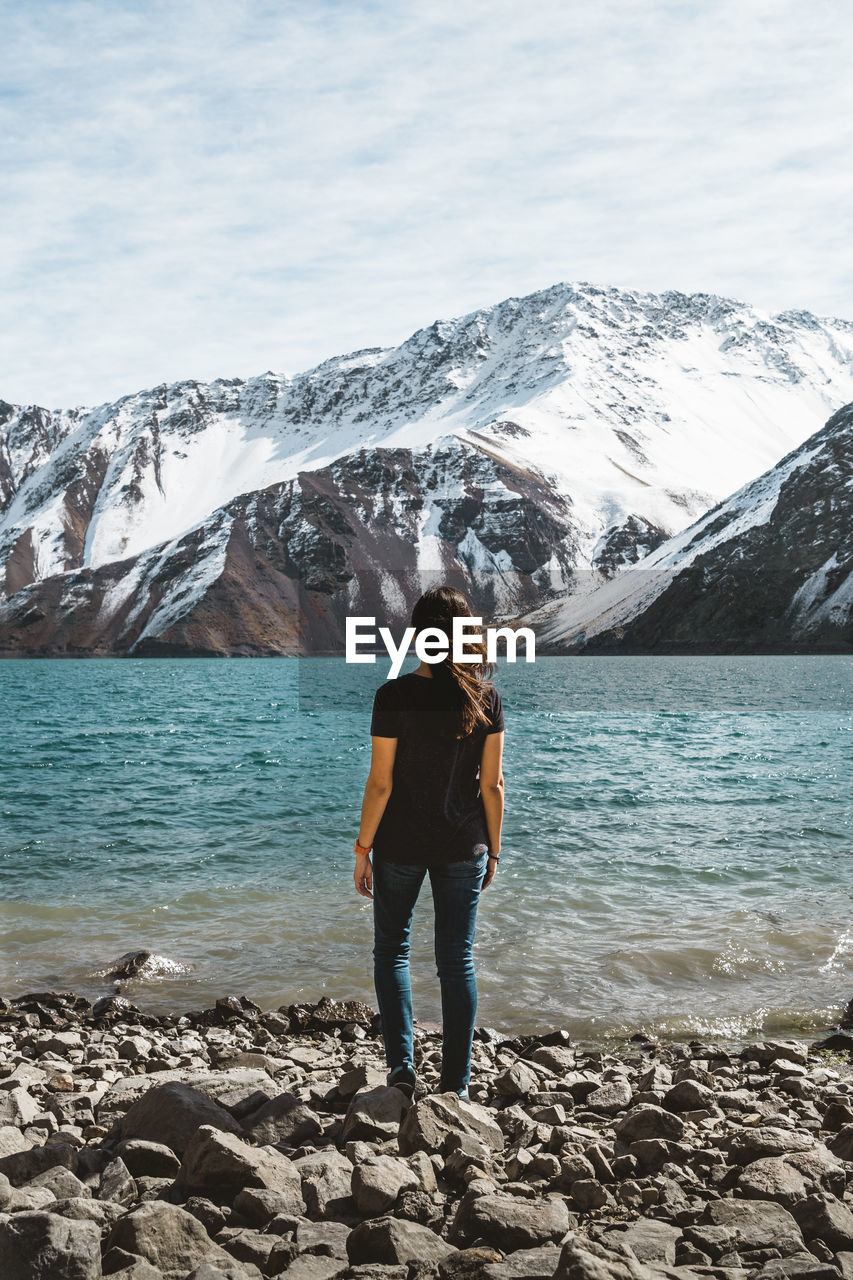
576, 428
770, 568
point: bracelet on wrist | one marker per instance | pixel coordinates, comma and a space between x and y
360, 848
495, 857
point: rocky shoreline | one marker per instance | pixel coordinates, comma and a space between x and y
237, 1142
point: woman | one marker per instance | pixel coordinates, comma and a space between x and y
433, 802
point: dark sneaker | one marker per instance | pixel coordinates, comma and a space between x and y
404, 1079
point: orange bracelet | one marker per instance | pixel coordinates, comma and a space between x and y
359, 848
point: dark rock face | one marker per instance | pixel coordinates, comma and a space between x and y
288, 564
784, 583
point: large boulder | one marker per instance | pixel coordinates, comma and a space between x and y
326, 1182
772, 1178
748, 1145
283, 1119
171, 1113
23, 1166
216, 1161
376, 1183
824, 1217
166, 1236
45, 1246
756, 1224
649, 1122
651, 1241
395, 1240
509, 1222
432, 1120
374, 1114
610, 1097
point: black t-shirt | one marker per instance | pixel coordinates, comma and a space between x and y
435, 811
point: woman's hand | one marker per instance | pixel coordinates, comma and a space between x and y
363, 875
491, 868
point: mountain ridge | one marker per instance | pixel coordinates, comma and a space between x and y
611, 418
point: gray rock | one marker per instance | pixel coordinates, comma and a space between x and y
434, 1118
556, 1058
148, 1159
689, 1095
171, 1113
250, 1246
424, 1169
22, 1166
312, 1266
260, 1206
139, 1269
284, 1119
12, 1140
220, 1161
374, 1114
525, 1264
116, 1183
326, 1181
756, 1224
821, 1166
803, 1266
772, 1178
573, 1168
362, 1076
230, 1270
5, 1191
755, 1144
649, 1122
60, 1181
517, 1081
394, 1240
842, 1144
17, 1107
377, 1183
589, 1194
827, 1218
105, 1213
612, 1096
45, 1246
509, 1222
328, 1239
377, 1271
651, 1240
582, 1259
166, 1236
844, 1259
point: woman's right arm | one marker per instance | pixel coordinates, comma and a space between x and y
492, 791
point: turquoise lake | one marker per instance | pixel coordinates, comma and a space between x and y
677, 854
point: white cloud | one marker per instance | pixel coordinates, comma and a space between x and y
201, 189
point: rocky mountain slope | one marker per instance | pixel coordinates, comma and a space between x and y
771, 568
573, 429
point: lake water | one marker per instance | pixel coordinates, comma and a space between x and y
677, 854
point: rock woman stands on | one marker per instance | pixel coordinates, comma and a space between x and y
433, 803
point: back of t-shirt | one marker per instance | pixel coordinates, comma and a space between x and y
435, 812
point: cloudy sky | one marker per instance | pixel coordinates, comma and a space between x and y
215, 188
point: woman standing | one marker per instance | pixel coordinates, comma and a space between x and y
433, 803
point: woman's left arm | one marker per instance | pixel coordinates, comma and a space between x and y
377, 791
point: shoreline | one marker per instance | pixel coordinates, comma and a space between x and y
233, 1142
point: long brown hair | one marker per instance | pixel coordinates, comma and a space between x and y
467, 683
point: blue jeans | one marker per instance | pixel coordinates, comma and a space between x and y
456, 895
